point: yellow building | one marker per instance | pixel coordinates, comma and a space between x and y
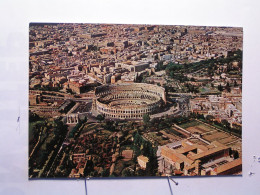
142, 161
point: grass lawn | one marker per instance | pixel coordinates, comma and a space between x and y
190, 124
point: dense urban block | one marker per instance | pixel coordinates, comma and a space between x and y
121, 100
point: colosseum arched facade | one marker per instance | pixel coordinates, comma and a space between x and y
129, 100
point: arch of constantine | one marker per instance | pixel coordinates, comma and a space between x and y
72, 118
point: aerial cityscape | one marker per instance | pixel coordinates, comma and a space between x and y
122, 100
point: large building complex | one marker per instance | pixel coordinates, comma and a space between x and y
185, 158
128, 101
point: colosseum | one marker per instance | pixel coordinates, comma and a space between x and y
129, 100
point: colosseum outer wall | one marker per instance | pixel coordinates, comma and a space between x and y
128, 101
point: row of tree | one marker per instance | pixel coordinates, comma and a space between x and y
173, 70
146, 148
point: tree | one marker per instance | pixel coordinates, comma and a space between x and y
109, 125
228, 87
210, 70
100, 117
89, 168
172, 74
68, 90
127, 172
220, 88
160, 66
146, 118
225, 123
235, 84
235, 154
105, 173
85, 119
33, 117
137, 139
209, 117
